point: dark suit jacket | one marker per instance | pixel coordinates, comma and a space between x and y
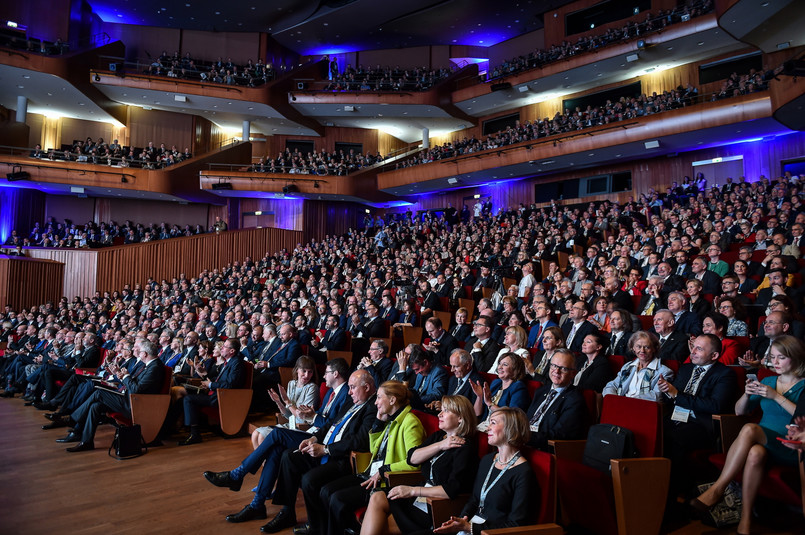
381, 370
446, 346
233, 375
597, 374
689, 323
391, 314
765, 295
466, 389
716, 394
431, 387
532, 333
150, 381
623, 300
285, 355
675, 347
583, 330
356, 433
374, 328
269, 349
621, 348
711, 283
484, 358
461, 333
342, 400
90, 357
566, 419
644, 302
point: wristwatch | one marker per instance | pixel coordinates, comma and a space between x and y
327, 450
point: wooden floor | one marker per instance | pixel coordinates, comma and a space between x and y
46, 490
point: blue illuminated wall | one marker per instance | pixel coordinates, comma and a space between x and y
19, 209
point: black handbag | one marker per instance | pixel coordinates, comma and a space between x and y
606, 442
128, 442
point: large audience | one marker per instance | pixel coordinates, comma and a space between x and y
624, 109
93, 235
670, 281
323, 162
220, 71
631, 30
361, 78
114, 154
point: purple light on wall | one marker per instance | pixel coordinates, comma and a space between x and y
112, 13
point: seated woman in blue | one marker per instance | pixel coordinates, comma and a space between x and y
508, 390
777, 397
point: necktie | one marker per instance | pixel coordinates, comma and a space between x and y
679, 270
459, 384
690, 388
329, 403
615, 338
662, 341
539, 334
649, 310
571, 335
537, 418
332, 434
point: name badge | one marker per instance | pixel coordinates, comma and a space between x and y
421, 502
375, 467
680, 415
477, 519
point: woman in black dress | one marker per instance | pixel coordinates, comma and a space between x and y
505, 488
448, 460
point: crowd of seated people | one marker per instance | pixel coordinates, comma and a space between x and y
631, 285
631, 30
338, 163
570, 121
70, 235
114, 154
13, 38
380, 78
220, 71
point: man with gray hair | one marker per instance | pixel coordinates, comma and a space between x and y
147, 380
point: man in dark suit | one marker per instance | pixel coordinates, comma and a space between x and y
376, 362
682, 265
685, 321
388, 312
558, 411
711, 282
431, 380
671, 282
673, 344
324, 457
485, 280
285, 355
336, 401
542, 320
334, 339
653, 298
777, 324
577, 327
441, 343
149, 380
621, 299
232, 375
372, 326
702, 388
461, 376
776, 287
483, 349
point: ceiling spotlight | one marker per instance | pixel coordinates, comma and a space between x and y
316, 184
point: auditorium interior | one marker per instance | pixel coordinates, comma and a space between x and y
250, 129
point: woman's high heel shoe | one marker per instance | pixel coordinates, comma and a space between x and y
698, 507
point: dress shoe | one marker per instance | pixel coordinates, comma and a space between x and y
223, 479
191, 439
8, 393
72, 436
282, 521
58, 415
698, 509
304, 529
82, 446
45, 406
246, 514
55, 424
29, 402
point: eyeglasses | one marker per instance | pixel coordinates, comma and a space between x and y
562, 369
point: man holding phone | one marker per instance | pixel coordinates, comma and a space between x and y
702, 388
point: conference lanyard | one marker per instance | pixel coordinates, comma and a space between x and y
486, 487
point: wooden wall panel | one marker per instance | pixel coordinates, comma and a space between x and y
160, 127
130, 264
240, 46
386, 143
75, 129
144, 40
27, 281
80, 273
516, 46
368, 138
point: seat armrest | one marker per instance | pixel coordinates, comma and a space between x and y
729, 425
641, 488
569, 450
441, 509
538, 529
360, 460
404, 477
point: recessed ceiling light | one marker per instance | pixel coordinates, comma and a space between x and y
26, 76
21, 86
